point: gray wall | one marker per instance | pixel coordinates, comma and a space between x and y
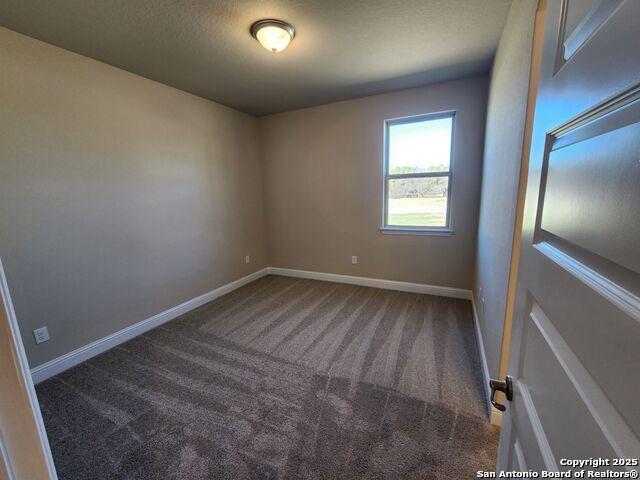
501, 169
323, 185
119, 197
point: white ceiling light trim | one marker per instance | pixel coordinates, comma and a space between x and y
274, 35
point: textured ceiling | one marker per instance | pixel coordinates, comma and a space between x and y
343, 49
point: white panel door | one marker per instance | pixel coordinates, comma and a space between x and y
575, 350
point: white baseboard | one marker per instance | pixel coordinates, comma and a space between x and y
73, 358
374, 282
495, 415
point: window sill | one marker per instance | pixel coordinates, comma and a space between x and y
439, 232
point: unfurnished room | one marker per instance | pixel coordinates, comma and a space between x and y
319, 239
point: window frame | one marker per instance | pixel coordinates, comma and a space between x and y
408, 229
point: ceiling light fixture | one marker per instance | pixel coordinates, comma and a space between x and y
274, 35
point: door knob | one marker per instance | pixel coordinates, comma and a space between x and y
505, 386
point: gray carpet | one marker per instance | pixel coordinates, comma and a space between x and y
282, 378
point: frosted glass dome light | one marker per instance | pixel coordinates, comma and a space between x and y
274, 35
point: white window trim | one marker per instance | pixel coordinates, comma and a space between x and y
417, 230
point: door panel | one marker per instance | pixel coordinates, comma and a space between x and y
581, 19
590, 190
600, 69
562, 391
521, 463
576, 331
531, 439
603, 337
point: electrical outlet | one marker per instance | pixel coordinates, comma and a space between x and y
354, 260
247, 259
41, 335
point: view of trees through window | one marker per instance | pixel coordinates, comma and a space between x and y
418, 172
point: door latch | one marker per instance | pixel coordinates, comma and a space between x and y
505, 386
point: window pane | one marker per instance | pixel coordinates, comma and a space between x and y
419, 147
417, 202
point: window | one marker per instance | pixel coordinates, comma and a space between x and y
417, 173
